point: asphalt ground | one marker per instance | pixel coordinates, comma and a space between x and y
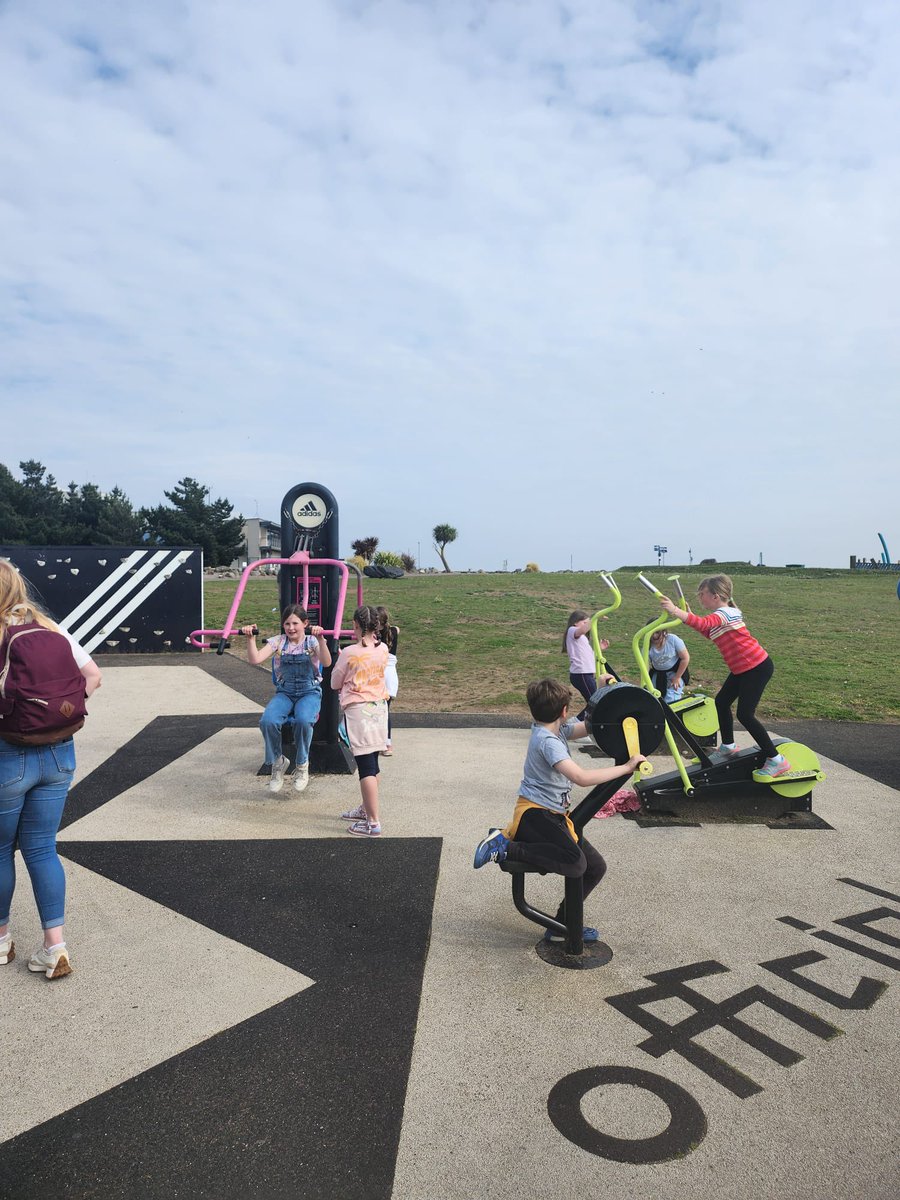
264, 1006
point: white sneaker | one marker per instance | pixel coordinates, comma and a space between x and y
354, 814
301, 777
276, 782
7, 949
53, 963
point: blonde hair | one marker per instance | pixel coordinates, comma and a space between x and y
718, 585
15, 604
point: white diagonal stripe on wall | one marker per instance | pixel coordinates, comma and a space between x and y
147, 590
102, 588
97, 618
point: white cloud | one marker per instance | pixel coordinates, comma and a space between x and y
574, 278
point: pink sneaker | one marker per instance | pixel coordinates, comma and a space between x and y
771, 770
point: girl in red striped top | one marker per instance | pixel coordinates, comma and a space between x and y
750, 669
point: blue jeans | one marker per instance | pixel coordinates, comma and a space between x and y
302, 709
34, 783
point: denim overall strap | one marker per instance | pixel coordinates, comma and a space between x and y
295, 674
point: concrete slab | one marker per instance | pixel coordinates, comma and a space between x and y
754, 984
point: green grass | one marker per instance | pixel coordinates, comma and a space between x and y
471, 643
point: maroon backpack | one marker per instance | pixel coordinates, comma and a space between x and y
41, 688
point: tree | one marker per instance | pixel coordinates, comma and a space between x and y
43, 505
36, 512
191, 521
12, 521
119, 524
365, 547
443, 535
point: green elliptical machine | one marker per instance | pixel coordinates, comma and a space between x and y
689, 789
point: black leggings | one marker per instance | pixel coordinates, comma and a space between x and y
586, 684
746, 688
543, 840
367, 764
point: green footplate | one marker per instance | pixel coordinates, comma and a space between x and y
804, 774
701, 719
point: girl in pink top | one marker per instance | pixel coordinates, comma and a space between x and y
582, 660
359, 677
750, 669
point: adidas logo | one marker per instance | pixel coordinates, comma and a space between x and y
310, 510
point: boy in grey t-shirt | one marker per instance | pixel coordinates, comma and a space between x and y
541, 832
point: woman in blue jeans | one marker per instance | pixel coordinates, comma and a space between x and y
297, 674
34, 783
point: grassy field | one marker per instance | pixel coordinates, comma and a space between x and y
471, 643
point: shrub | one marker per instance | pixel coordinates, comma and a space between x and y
365, 547
532, 567
357, 561
407, 562
387, 558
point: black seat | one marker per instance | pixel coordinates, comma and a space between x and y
574, 888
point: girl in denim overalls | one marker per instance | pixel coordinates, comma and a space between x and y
298, 657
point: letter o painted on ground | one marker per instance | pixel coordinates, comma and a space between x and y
683, 1134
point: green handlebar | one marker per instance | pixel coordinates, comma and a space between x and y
600, 614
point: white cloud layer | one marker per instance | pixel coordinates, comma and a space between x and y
574, 278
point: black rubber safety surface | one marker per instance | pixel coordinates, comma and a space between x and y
303, 1100
872, 750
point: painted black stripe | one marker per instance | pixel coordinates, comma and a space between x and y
160, 743
867, 887
306, 1099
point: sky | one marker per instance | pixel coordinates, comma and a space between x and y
577, 279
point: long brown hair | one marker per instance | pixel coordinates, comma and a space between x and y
387, 632
366, 617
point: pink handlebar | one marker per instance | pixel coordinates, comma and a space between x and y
301, 558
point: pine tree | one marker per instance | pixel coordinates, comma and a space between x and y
193, 521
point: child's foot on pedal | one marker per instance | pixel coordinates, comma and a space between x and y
771, 769
723, 753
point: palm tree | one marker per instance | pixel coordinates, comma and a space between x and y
443, 534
